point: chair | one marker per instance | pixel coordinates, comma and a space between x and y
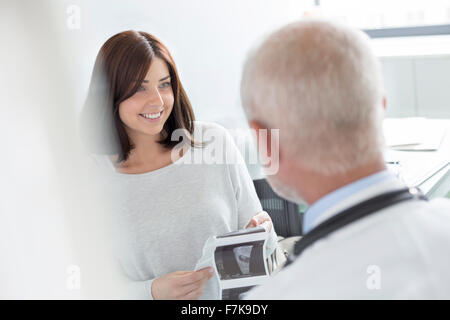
285, 215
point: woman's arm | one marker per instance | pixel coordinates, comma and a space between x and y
250, 212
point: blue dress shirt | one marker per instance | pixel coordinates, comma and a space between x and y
329, 200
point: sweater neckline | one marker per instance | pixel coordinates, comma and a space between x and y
149, 173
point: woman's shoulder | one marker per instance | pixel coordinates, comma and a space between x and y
205, 125
206, 128
216, 137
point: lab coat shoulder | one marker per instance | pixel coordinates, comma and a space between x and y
406, 245
428, 220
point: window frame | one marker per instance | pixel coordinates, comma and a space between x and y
431, 30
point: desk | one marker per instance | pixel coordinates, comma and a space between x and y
415, 165
439, 185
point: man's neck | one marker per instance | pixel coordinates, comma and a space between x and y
319, 185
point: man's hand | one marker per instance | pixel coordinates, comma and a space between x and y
183, 285
261, 219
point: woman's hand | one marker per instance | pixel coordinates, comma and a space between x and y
183, 285
261, 219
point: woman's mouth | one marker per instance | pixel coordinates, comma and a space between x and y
152, 117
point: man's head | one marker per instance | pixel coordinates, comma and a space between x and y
320, 84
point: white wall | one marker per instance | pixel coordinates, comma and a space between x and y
52, 244
416, 73
208, 40
417, 86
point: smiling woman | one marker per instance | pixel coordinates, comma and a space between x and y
134, 78
143, 116
164, 208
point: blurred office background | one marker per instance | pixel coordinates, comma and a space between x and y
209, 41
48, 51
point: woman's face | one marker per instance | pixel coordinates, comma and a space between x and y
145, 112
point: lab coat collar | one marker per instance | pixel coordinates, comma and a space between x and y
349, 195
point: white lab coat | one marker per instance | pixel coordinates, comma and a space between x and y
400, 252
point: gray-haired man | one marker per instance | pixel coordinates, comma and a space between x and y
320, 84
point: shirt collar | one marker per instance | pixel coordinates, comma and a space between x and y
315, 211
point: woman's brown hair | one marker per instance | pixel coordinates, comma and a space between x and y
121, 65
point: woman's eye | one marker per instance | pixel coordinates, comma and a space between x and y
141, 88
165, 84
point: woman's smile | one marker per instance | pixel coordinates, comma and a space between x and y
152, 117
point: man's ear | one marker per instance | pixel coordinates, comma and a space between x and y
257, 126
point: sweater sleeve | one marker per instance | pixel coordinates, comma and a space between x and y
247, 200
138, 290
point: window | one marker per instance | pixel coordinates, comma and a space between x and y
387, 18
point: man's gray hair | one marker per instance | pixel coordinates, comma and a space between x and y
320, 84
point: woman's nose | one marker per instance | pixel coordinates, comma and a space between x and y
154, 97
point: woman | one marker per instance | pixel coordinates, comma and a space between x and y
168, 206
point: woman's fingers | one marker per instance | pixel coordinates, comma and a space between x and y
267, 225
261, 219
196, 276
178, 284
193, 288
194, 294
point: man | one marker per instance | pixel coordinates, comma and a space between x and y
320, 84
